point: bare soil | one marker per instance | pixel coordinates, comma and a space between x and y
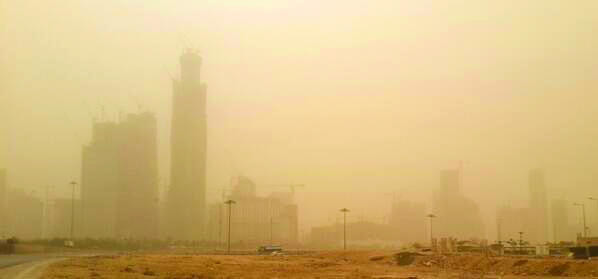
334, 264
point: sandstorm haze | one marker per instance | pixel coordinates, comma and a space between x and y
358, 100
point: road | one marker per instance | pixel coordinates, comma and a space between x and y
25, 266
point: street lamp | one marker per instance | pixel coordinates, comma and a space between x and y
344, 211
229, 203
521, 243
431, 216
583, 210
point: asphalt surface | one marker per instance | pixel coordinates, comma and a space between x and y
11, 260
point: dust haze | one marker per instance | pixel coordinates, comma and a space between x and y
364, 103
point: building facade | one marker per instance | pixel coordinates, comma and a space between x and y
457, 215
187, 193
538, 204
24, 218
119, 179
561, 226
255, 220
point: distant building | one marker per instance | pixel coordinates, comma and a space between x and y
24, 216
187, 195
561, 227
359, 234
119, 186
457, 215
408, 221
538, 204
511, 221
60, 222
3, 227
254, 220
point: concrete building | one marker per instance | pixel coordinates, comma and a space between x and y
408, 221
561, 227
187, 194
538, 204
119, 185
60, 222
24, 217
254, 220
361, 234
511, 221
3, 228
457, 215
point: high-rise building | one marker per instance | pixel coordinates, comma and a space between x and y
119, 185
25, 218
187, 193
457, 215
61, 219
538, 204
561, 228
256, 220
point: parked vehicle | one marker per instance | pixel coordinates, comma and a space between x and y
268, 249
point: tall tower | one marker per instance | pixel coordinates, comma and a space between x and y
538, 206
187, 194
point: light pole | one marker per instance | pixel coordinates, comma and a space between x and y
431, 216
583, 211
73, 183
230, 203
344, 211
521, 243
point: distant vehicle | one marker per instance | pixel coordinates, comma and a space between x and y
267, 249
69, 243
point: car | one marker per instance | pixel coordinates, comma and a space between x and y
268, 249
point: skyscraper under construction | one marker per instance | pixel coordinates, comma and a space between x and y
187, 193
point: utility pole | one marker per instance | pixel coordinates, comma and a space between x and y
583, 211
431, 216
73, 183
230, 203
344, 211
521, 243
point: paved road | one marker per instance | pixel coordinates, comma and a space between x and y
12, 260
28, 270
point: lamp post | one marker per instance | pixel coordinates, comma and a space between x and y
431, 216
230, 204
521, 243
344, 211
583, 212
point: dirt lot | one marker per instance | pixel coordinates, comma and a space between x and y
317, 265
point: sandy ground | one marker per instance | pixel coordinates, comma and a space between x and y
317, 265
376, 264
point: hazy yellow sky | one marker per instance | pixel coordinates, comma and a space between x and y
368, 97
